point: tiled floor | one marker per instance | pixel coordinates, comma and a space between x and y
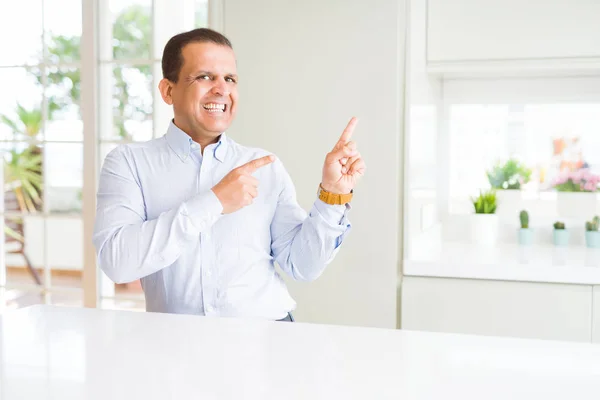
68, 293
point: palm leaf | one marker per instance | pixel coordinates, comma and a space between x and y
13, 234
32, 192
11, 124
31, 119
23, 172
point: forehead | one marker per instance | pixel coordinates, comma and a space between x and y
208, 57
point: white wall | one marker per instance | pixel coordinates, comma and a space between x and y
305, 68
423, 117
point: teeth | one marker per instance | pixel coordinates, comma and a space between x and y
215, 107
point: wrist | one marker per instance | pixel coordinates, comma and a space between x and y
332, 197
333, 189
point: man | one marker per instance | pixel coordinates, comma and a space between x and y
201, 219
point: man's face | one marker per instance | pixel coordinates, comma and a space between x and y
205, 95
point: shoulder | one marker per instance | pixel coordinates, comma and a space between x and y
125, 157
128, 151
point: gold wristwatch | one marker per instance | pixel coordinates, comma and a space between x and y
333, 198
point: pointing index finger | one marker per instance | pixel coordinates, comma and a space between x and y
347, 134
253, 165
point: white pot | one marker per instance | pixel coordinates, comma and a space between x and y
510, 203
576, 204
484, 229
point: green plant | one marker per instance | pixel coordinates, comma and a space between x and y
23, 174
8, 231
23, 168
593, 225
559, 225
510, 175
524, 218
485, 203
27, 124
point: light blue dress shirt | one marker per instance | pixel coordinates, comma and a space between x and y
158, 219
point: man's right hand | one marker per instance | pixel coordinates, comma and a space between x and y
239, 188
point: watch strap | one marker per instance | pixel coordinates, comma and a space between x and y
334, 198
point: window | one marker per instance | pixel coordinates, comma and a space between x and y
548, 125
546, 138
41, 141
42, 133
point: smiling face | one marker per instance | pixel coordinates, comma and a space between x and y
204, 98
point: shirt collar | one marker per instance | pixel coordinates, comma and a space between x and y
181, 143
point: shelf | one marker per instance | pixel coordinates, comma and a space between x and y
507, 262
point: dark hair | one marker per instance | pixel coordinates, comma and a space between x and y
172, 59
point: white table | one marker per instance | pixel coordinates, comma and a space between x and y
68, 353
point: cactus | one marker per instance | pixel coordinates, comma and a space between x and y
593, 225
559, 225
524, 218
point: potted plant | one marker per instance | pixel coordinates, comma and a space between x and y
561, 234
525, 233
509, 176
484, 223
576, 195
507, 180
23, 179
592, 235
23, 166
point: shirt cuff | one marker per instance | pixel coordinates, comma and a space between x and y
202, 210
334, 214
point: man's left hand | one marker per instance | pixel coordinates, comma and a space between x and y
343, 165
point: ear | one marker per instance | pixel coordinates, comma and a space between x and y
165, 86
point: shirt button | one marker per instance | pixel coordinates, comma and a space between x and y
209, 309
208, 273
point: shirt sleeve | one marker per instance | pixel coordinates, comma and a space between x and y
128, 245
303, 244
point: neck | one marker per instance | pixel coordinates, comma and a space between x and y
202, 138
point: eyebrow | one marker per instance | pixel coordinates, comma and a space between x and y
203, 72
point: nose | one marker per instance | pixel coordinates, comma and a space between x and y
220, 88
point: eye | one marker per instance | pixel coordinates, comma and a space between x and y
230, 79
203, 78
